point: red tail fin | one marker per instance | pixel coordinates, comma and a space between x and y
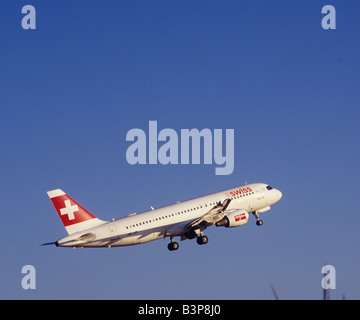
74, 216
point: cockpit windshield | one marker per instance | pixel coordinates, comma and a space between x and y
269, 188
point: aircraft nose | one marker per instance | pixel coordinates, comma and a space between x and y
278, 195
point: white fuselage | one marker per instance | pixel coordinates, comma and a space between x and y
170, 220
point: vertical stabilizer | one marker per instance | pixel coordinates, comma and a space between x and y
74, 216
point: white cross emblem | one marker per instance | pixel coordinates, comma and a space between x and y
69, 210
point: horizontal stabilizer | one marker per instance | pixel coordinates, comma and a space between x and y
48, 244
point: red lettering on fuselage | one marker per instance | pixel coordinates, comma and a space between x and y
240, 191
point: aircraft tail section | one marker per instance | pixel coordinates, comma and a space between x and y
74, 216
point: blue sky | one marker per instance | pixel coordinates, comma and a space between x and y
91, 71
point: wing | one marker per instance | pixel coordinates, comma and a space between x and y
214, 215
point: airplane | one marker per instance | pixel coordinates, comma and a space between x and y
228, 208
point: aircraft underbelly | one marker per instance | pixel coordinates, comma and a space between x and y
138, 238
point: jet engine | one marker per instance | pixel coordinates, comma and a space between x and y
236, 218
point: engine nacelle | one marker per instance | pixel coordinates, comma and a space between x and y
236, 218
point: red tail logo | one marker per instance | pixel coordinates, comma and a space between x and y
69, 211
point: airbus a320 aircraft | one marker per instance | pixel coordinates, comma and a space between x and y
187, 220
